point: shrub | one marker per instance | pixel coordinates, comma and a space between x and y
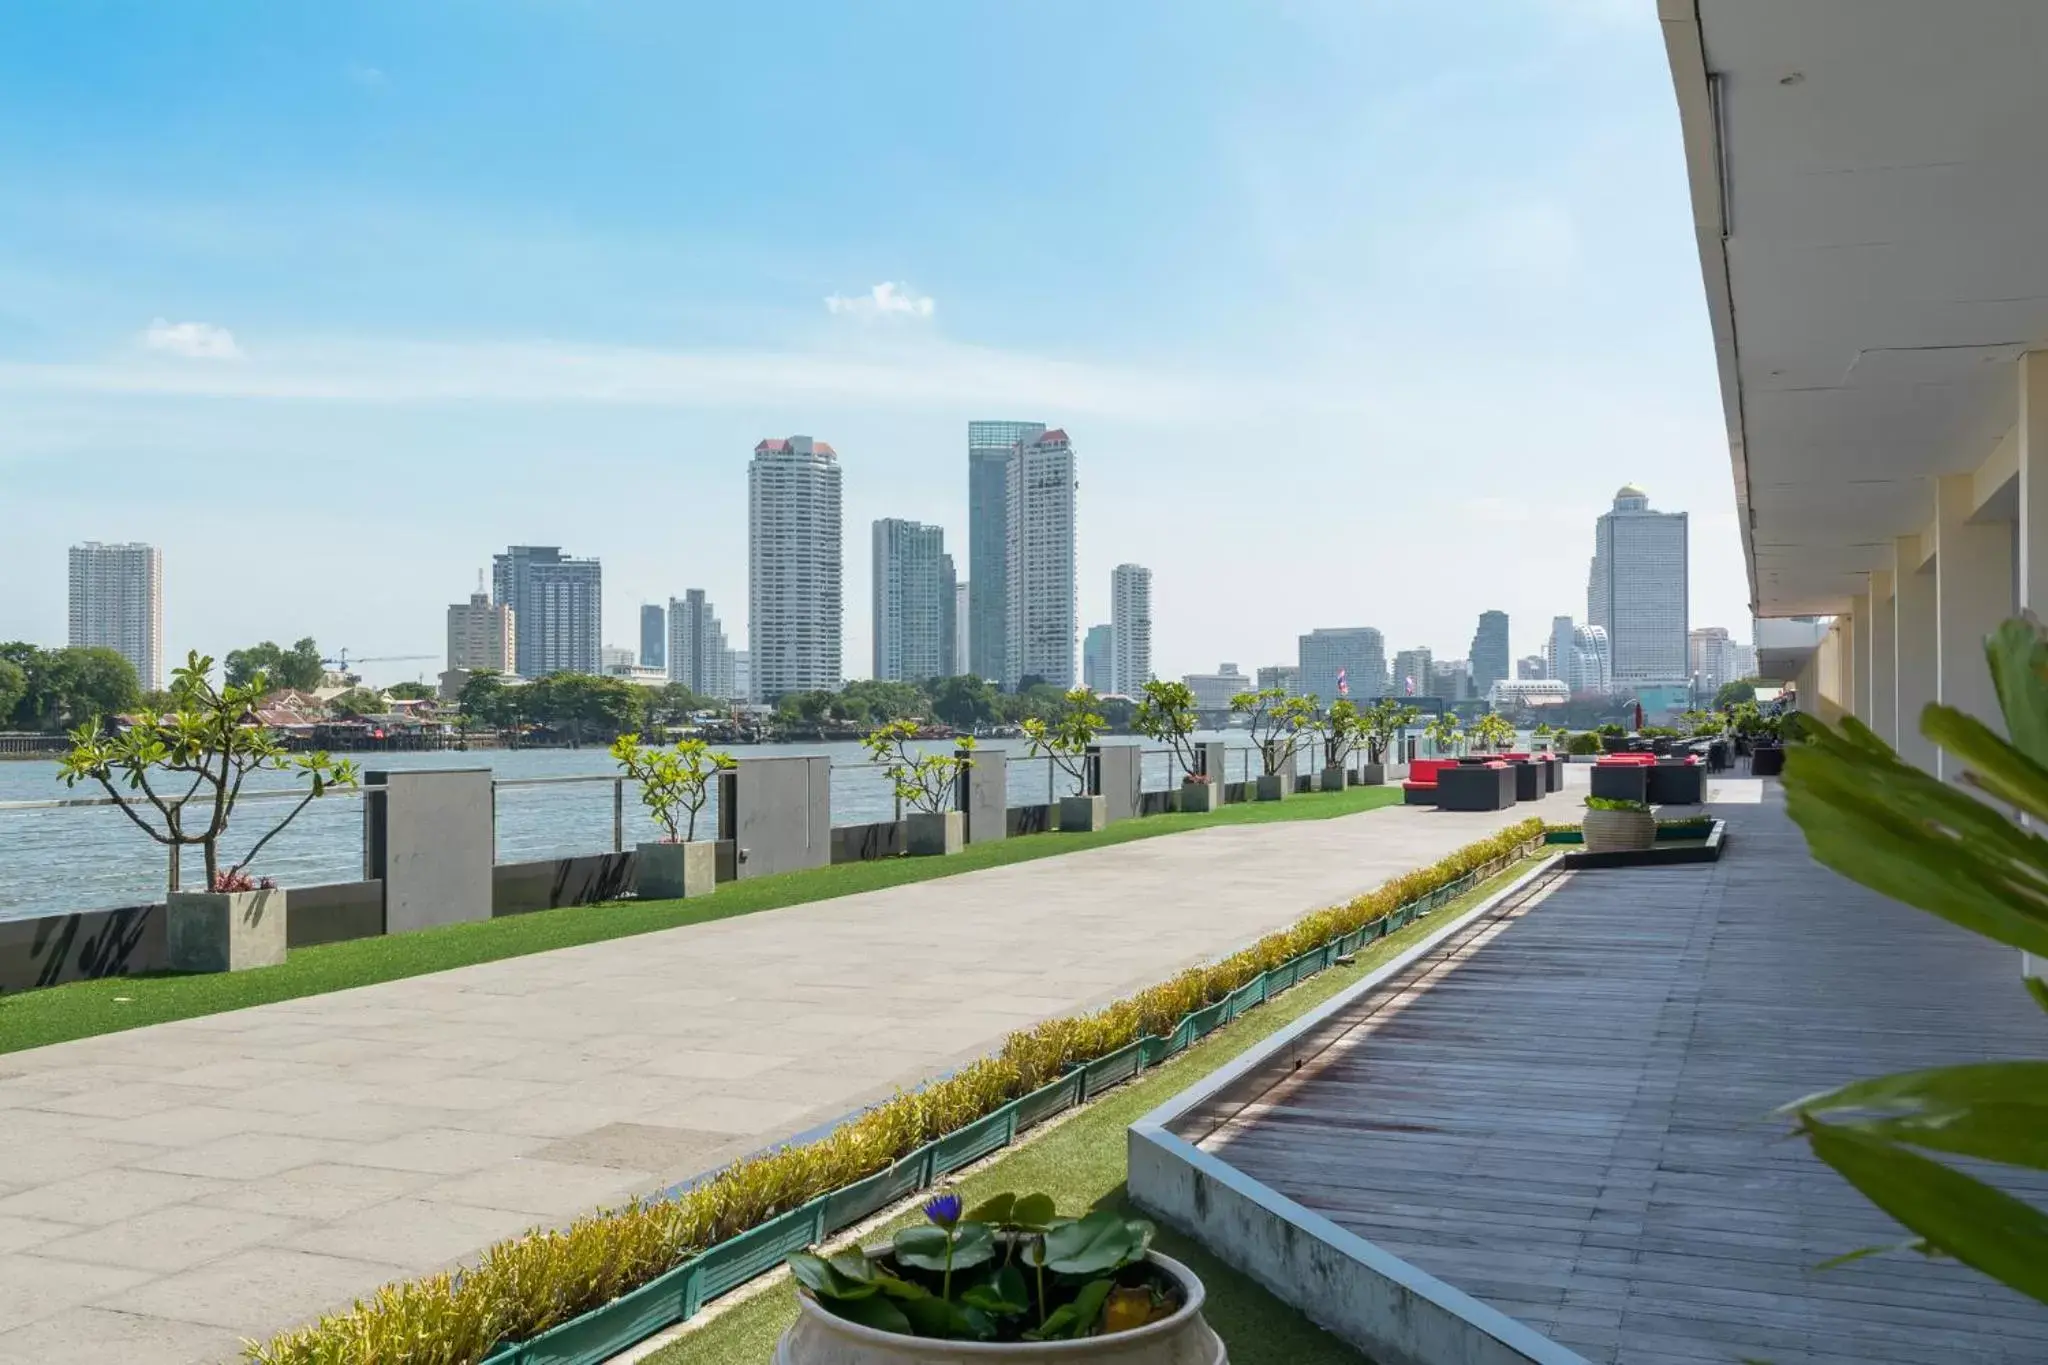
1585, 742
1616, 803
522, 1287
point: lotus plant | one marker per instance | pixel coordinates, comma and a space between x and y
1010, 1269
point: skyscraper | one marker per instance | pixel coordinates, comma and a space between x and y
962, 616
1592, 667
1715, 658
949, 617
1450, 680
913, 601
795, 608
1637, 588
1286, 677
1557, 654
1359, 653
988, 534
1490, 660
1413, 675
698, 656
1098, 660
1130, 616
558, 606
653, 635
117, 602
482, 634
1038, 628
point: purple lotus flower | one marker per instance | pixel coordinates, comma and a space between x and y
944, 1210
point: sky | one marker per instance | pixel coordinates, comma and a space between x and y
1356, 313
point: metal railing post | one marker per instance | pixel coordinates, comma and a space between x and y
618, 815
173, 851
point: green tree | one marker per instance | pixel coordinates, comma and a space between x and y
1065, 739
1492, 731
803, 708
483, 700
1384, 724
207, 740
1277, 723
62, 687
13, 687
358, 701
411, 691
1443, 732
1729, 693
299, 667
963, 702
672, 780
1166, 712
927, 781
583, 705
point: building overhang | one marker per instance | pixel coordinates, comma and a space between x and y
1867, 187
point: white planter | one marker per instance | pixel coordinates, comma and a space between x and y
1274, 786
670, 872
1083, 814
1619, 831
1199, 797
934, 836
821, 1338
224, 931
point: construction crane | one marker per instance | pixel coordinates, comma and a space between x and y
340, 662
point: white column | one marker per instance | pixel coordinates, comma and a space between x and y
1917, 677
1855, 660
1973, 593
1883, 638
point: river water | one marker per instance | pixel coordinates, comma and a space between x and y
88, 858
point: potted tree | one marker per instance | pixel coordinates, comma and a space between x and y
1343, 729
1064, 743
1615, 826
1166, 712
930, 783
1493, 732
1384, 724
201, 753
674, 783
1008, 1280
1443, 732
1278, 723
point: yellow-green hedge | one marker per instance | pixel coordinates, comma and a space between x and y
524, 1286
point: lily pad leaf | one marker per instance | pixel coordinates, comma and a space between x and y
1098, 1243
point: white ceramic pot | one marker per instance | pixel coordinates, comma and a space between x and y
1619, 831
821, 1338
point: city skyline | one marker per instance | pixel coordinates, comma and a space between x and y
196, 295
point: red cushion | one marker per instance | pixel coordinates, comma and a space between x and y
1423, 771
1418, 786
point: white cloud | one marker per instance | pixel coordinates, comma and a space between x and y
884, 300
368, 77
193, 340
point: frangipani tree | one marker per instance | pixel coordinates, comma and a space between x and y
672, 781
1278, 724
926, 781
1166, 712
1443, 732
1384, 724
1493, 731
1343, 730
208, 746
1066, 738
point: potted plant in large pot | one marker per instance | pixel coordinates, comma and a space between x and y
1383, 727
200, 754
1617, 826
928, 783
1493, 732
1278, 725
1443, 732
1064, 743
1009, 1280
674, 783
1166, 712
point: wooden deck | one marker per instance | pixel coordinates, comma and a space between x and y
1573, 1123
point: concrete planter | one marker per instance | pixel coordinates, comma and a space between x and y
1369, 775
224, 931
1199, 797
1766, 760
821, 1338
1274, 786
1619, 831
1083, 814
671, 872
935, 836
1332, 779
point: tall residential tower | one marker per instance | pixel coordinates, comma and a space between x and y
1038, 627
1130, 617
557, 606
795, 607
913, 602
988, 534
117, 601
1637, 589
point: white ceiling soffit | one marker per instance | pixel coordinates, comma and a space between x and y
1869, 181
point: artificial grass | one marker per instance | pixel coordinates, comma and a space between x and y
85, 1009
1083, 1164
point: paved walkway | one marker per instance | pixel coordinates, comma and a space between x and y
1574, 1122
167, 1191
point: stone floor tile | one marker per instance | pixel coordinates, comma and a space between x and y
293, 1286
250, 1156
33, 1287
107, 1196
98, 1336
168, 1239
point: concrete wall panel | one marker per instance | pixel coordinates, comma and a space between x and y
429, 836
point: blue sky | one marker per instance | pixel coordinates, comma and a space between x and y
1357, 313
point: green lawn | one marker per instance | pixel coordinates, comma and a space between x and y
86, 1008
1081, 1163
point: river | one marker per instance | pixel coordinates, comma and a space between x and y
53, 861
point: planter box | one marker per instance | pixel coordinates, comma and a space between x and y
1617, 831
1083, 814
672, 872
818, 1337
1369, 775
934, 836
1274, 786
223, 931
1766, 760
1200, 797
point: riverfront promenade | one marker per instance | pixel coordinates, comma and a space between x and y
168, 1191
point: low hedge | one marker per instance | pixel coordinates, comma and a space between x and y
522, 1287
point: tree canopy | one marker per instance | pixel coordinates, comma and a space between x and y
299, 667
53, 689
1742, 689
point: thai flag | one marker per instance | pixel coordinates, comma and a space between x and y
1343, 682
1409, 684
